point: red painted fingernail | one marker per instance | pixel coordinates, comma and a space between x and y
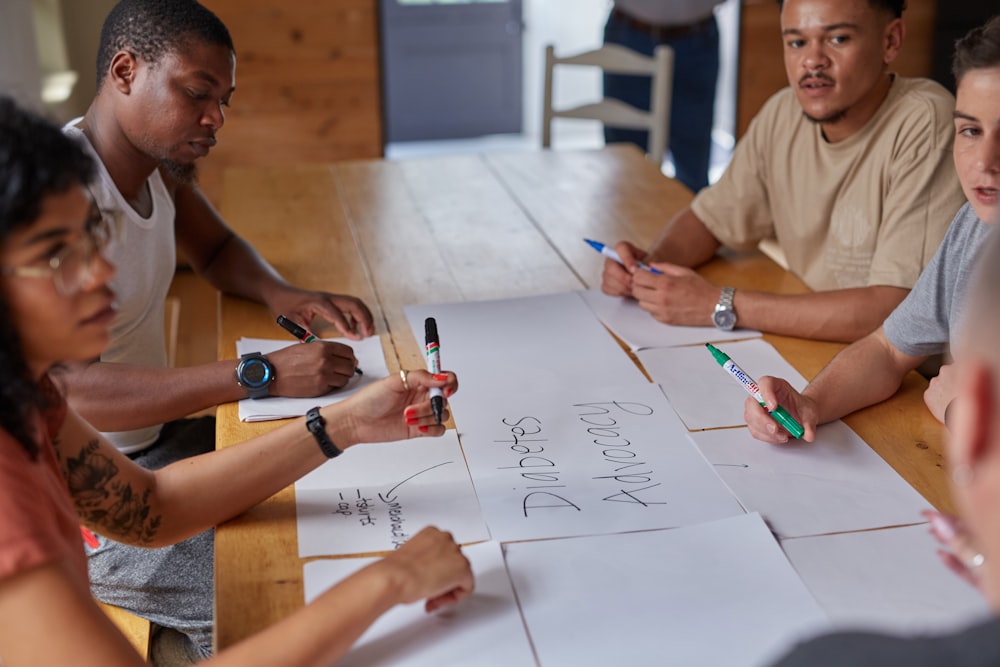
440, 376
409, 412
422, 429
411, 421
448, 391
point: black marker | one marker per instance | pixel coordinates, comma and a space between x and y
303, 334
433, 352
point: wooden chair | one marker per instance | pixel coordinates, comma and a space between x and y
617, 59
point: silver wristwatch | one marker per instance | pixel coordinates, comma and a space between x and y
724, 315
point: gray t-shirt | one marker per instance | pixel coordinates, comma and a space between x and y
977, 646
925, 321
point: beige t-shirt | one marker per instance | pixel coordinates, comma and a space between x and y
869, 210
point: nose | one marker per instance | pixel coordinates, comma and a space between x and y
100, 271
214, 116
815, 57
988, 157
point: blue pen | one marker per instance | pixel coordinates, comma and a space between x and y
611, 254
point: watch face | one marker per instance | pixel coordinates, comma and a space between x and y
255, 373
724, 319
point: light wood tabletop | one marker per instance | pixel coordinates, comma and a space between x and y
466, 228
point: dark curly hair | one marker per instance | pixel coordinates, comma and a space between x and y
152, 28
979, 49
894, 7
36, 161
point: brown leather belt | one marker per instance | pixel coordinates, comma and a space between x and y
663, 33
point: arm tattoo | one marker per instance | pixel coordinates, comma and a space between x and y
103, 499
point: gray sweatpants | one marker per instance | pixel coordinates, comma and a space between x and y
171, 586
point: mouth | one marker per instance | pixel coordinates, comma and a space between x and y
102, 316
203, 146
987, 193
815, 84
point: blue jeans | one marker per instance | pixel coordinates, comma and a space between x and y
692, 108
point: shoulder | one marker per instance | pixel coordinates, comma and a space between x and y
920, 109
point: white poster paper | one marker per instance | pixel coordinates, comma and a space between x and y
715, 594
374, 497
833, 485
586, 460
371, 361
702, 393
888, 580
544, 342
640, 331
483, 630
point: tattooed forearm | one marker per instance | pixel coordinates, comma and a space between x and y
102, 499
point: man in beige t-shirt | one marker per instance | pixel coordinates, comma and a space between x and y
849, 168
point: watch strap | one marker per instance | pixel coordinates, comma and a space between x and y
726, 298
317, 426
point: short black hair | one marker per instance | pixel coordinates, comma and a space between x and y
895, 7
152, 28
979, 49
36, 161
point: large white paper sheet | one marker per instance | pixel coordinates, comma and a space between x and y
370, 358
639, 330
704, 395
374, 497
586, 460
885, 581
833, 485
484, 630
715, 594
502, 346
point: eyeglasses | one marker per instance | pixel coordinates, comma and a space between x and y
73, 265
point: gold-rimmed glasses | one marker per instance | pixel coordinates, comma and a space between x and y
73, 265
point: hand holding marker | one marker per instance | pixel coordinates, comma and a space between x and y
610, 253
779, 414
303, 334
433, 351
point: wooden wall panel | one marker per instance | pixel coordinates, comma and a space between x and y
761, 69
307, 85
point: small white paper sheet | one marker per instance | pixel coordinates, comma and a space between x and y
887, 580
720, 593
483, 630
374, 497
371, 361
640, 331
584, 461
503, 346
832, 485
702, 393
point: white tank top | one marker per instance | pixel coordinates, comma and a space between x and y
145, 259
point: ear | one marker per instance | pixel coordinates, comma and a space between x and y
975, 434
893, 37
121, 72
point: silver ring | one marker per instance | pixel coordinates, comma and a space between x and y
402, 376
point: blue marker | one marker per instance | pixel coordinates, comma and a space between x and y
610, 253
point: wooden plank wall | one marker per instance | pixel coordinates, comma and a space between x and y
761, 70
307, 85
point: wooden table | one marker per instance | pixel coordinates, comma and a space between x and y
468, 228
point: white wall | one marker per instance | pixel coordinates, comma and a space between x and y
19, 70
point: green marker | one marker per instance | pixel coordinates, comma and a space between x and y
779, 414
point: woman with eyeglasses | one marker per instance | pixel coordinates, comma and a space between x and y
57, 472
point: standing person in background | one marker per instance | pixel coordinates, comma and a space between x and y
690, 29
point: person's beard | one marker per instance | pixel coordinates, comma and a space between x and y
831, 118
181, 172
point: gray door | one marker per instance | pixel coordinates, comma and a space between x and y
451, 68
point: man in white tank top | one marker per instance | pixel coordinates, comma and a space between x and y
166, 70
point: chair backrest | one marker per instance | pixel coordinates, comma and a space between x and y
617, 59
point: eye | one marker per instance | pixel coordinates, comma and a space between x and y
795, 43
969, 131
840, 39
195, 95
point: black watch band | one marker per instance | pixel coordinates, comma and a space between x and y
317, 426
